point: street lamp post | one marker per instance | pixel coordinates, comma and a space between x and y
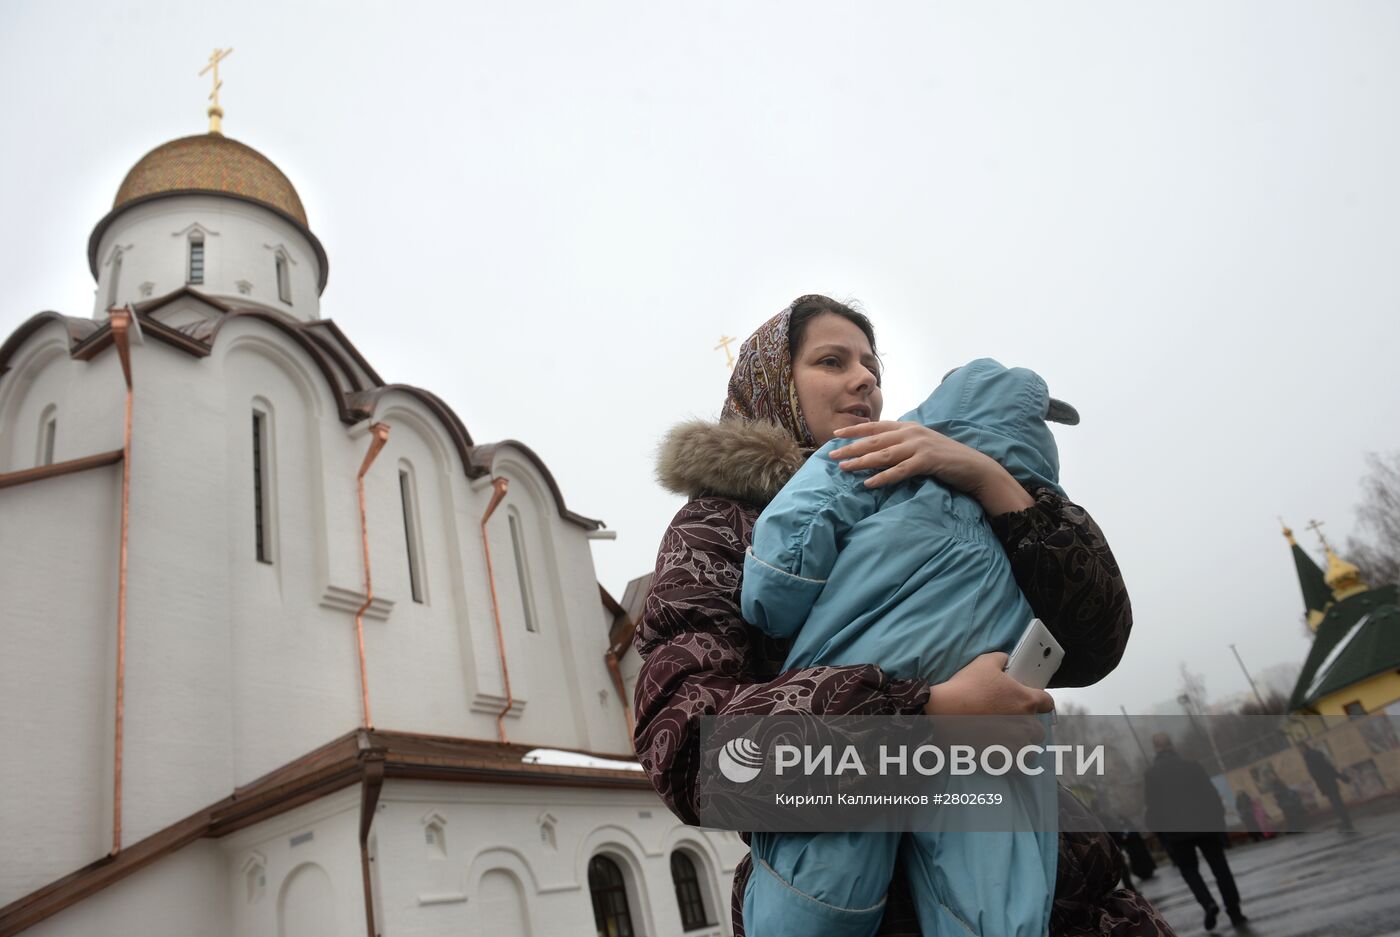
1240, 661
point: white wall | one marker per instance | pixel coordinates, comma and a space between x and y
493, 875
240, 243
56, 679
429, 891
236, 667
182, 895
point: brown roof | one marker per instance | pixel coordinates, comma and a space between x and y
347, 760
327, 347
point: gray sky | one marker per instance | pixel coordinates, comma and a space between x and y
1185, 215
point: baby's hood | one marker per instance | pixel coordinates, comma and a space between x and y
1002, 412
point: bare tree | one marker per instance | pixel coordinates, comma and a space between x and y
1193, 687
1375, 549
1275, 704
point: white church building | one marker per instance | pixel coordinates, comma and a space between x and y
284, 651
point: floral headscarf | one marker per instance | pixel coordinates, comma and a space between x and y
762, 385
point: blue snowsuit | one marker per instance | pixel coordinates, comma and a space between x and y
909, 577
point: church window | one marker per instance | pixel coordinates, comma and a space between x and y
113, 278
48, 435
688, 899
284, 279
196, 274
409, 500
261, 525
610, 912
522, 573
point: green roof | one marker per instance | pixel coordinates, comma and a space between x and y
1358, 638
1316, 594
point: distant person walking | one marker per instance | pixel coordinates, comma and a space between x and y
1326, 776
1249, 816
1295, 817
1184, 810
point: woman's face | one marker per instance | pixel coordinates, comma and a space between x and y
836, 371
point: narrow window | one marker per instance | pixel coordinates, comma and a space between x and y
522, 572
284, 279
47, 435
196, 259
410, 534
611, 914
260, 500
115, 277
688, 899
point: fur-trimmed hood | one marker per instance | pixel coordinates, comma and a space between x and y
749, 460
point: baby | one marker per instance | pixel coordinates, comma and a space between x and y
910, 577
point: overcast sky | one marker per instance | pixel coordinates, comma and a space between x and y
1185, 215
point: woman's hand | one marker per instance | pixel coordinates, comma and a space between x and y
904, 450
983, 688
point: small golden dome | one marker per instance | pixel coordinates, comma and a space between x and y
211, 162
1343, 577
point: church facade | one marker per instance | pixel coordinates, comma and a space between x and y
287, 651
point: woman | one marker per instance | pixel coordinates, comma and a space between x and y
806, 376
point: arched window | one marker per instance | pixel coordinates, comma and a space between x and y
196, 265
610, 911
262, 495
412, 532
522, 571
48, 435
114, 278
688, 895
284, 279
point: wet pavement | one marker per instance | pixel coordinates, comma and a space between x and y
1316, 884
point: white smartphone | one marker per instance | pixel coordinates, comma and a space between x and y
1036, 657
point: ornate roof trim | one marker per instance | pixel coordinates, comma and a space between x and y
348, 346
87, 339
486, 456
78, 331
476, 459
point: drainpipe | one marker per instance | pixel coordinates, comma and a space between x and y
371, 783
500, 484
121, 337
614, 662
380, 435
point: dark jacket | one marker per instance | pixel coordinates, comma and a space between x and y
1181, 801
699, 656
1324, 774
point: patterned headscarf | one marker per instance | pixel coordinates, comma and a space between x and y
762, 386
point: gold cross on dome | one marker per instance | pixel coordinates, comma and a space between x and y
216, 112
724, 341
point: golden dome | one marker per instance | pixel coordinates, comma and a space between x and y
1343, 577
211, 162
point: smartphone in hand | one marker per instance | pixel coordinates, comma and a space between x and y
1036, 656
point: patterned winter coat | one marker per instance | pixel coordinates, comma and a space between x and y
699, 656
